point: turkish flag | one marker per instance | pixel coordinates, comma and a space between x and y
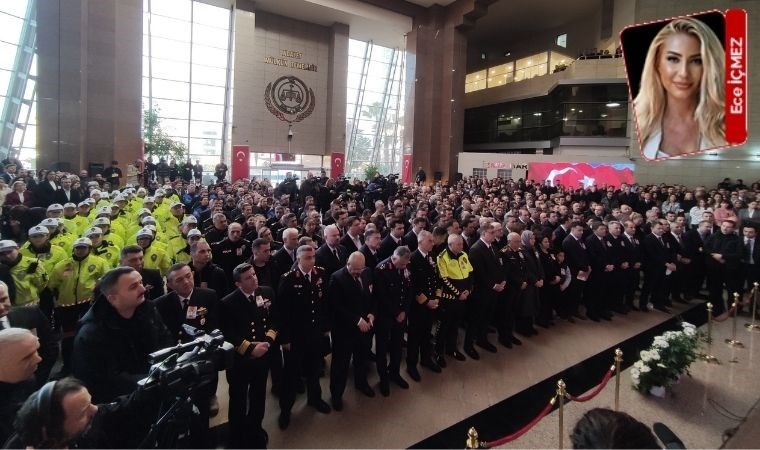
337, 164
575, 175
241, 165
406, 169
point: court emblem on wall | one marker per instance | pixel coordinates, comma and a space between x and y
289, 99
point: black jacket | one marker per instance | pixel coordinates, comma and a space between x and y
74, 196
111, 353
370, 260
349, 301
575, 254
244, 322
425, 280
327, 261
212, 277
202, 312
730, 246
656, 254
281, 263
410, 240
392, 290
228, 254
347, 242
387, 246
487, 269
153, 282
32, 318
301, 307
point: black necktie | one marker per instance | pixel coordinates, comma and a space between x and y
308, 277
359, 282
184, 303
659, 238
335, 252
252, 299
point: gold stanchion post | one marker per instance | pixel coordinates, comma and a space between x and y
733, 342
708, 356
472, 438
561, 393
753, 326
618, 361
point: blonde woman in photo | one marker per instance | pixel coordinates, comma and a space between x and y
680, 105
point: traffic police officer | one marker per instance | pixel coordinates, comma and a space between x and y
28, 275
103, 248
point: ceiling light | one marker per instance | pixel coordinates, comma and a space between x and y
572, 109
537, 114
580, 110
613, 104
604, 115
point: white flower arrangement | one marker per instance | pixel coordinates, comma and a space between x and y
669, 357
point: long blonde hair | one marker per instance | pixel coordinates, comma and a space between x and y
649, 104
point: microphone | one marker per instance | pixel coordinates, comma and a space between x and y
667, 437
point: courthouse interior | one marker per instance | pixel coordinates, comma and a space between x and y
472, 107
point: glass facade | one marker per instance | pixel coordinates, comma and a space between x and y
186, 57
18, 80
522, 69
375, 108
568, 110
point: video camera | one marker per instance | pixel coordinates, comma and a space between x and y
190, 365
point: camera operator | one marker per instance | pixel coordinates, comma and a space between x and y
116, 336
61, 415
18, 362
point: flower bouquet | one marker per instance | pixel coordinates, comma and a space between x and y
666, 360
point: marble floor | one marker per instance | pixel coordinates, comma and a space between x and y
703, 410
464, 389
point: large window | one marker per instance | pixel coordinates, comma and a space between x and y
375, 108
18, 75
185, 72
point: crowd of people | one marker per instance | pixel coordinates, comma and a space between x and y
369, 273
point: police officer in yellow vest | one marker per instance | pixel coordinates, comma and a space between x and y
28, 275
103, 248
58, 236
73, 281
38, 247
456, 273
153, 257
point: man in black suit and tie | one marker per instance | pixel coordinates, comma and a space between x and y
724, 251
369, 249
65, 194
33, 319
44, 193
599, 280
750, 214
352, 240
331, 256
247, 320
561, 232
658, 264
580, 268
694, 249
350, 297
750, 259
132, 256
632, 274
410, 238
199, 308
285, 257
489, 283
393, 240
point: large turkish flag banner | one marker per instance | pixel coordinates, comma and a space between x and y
241, 162
575, 175
406, 169
337, 164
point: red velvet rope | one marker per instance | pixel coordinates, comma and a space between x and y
595, 392
523, 430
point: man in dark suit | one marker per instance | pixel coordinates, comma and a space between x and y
393, 240
33, 319
578, 262
427, 292
724, 251
246, 318
489, 284
658, 264
694, 249
186, 304
633, 256
600, 278
352, 240
132, 256
410, 238
350, 297
44, 193
331, 256
65, 194
369, 249
283, 259
561, 232
206, 274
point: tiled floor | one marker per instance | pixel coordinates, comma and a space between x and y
441, 400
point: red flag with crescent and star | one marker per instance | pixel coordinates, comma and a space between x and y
406, 169
337, 164
241, 165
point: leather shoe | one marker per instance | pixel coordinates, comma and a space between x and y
570, 319
515, 340
471, 352
662, 308
456, 354
400, 381
485, 345
441, 361
505, 342
414, 374
430, 364
284, 420
385, 389
337, 403
320, 405
366, 390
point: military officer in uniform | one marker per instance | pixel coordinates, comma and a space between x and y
302, 311
393, 295
247, 321
427, 295
232, 250
516, 276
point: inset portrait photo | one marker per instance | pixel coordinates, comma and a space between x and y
676, 75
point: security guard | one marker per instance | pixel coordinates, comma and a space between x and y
73, 281
154, 257
38, 247
28, 275
103, 248
303, 320
246, 319
393, 294
455, 271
